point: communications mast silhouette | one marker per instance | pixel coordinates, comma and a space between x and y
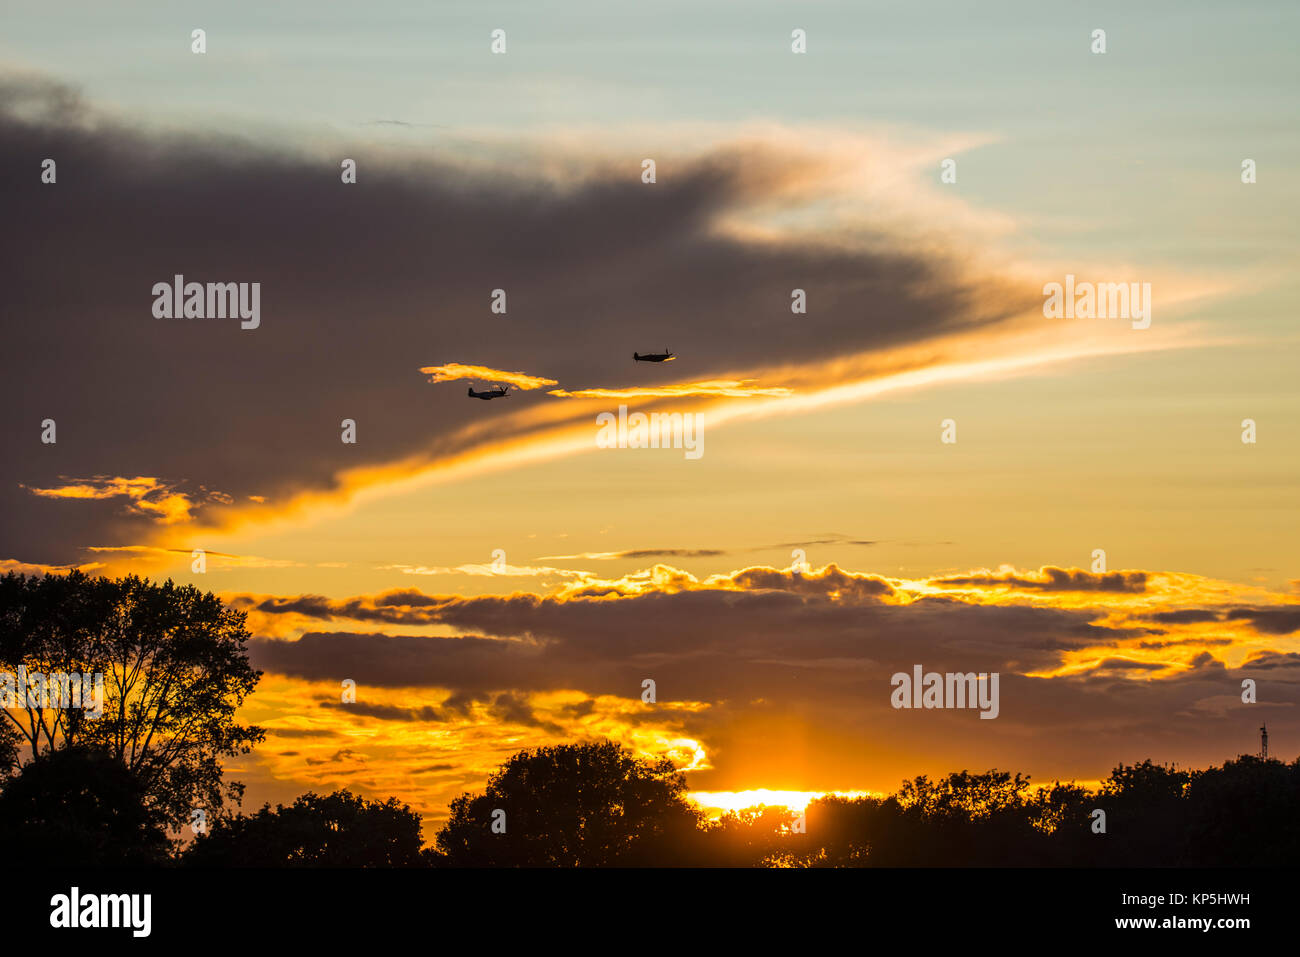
1263, 742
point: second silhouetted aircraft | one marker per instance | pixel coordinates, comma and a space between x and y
664, 356
497, 393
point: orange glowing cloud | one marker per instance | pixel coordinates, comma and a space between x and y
146, 496
8, 565
729, 388
452, 371
216, 560
431, 747
734, 655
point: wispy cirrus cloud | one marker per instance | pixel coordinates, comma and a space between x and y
144, 495
488, 570
215, 560
729, 388
453, 371
8, 565
638, 553
1051, 578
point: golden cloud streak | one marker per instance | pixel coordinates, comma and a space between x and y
455, 370
324, 747
544, 433
148, 496
1171, 644
729, 388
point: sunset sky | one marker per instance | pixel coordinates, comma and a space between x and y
775, 171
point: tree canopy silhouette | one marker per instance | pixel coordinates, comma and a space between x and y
9, 742
750, 836
1240, 814
574, 805
175, 670
78, 807
337, 830
597, 804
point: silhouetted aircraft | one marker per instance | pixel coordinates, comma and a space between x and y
497, 393
664, 356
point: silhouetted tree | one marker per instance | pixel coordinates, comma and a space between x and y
1146, 816
175, 671
1240, 814
752, 837
964, 819
337, 830
1061, 816
9, 742
575, 805
844, 831
1244, 814
80, 807
569, 805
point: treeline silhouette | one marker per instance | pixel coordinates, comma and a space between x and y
598, 805
143, 783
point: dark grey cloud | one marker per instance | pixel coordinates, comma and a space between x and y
670, 553
1126, 664
834, 540
1179, 642
1270, 621
791, 670
339, 756
707, 644
1271, 660
1058, 579
362, 284
388, 712
1184, 616
637, 553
